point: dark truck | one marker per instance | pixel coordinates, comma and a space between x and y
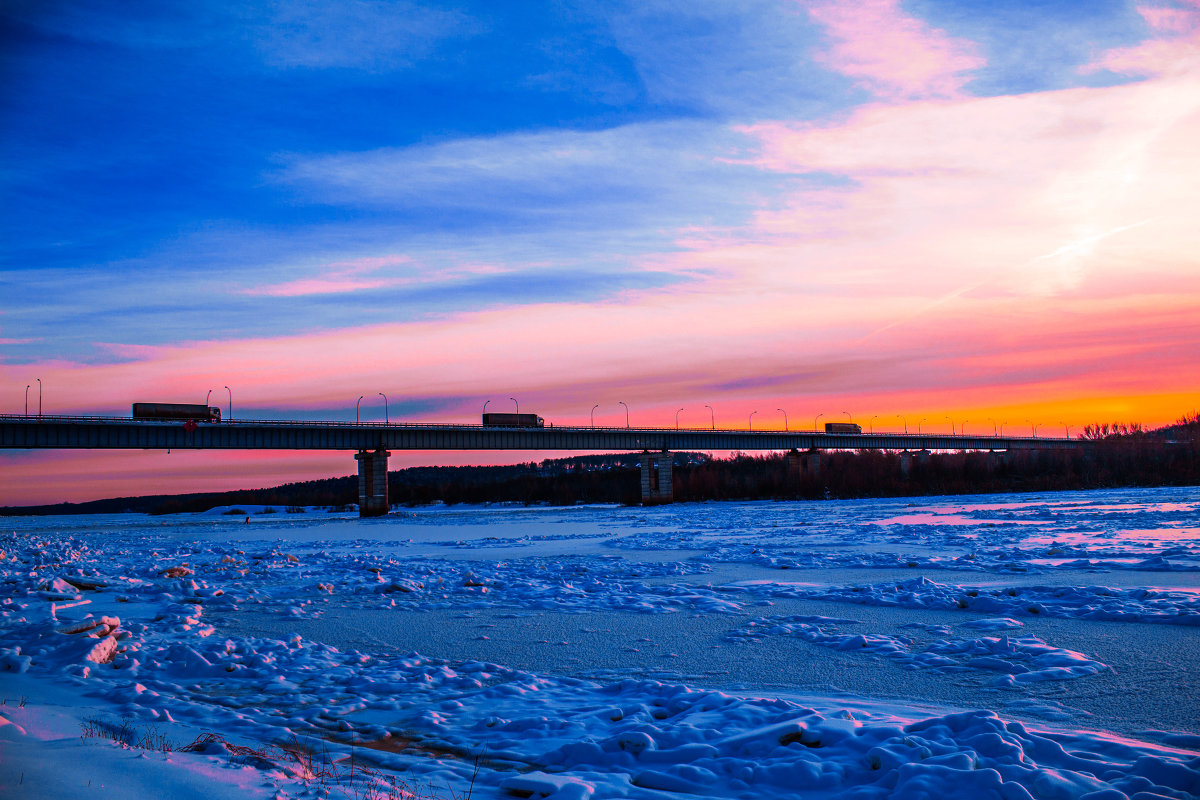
513, 421
843, 427
185, 411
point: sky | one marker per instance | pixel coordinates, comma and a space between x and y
940, 214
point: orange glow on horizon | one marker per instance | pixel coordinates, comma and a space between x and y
47, 477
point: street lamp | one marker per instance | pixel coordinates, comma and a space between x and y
27, 399
1032, 427
677, 419
922, 419
39, 380
871, 423
593, 414
622, 403
902, 419
962, 427
356, 406
847, 413
386, 419
712, 415
817, 417
485, 402
993, 426
752, 413
206, 398
785, 425
516, 404
1002, 424
951, 425
230, 404
1066, 428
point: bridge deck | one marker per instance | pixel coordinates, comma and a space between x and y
99, 433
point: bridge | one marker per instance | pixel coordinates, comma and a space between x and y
372, 442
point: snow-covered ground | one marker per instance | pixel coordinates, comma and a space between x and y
1003, 646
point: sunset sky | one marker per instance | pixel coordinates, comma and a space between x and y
971, 213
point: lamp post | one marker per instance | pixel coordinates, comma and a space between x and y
1002, 424
485, 402
922, 419
1066, 428
962, 427
871, 423
712, 415
356, 407
817, 417
27, 399
227, 389
677, 419
386, 419
848, 417
785, 425
1032, 428
516, 404
622, 403
902, 419
39, 380
206, 398
593, 414
951, 425
993, 426
751, 423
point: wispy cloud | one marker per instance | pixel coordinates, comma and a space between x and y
580, 179
1175, 51
339, 278
893, 54
362, 34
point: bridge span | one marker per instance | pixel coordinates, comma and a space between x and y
372, 442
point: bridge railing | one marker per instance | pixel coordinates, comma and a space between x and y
376, 425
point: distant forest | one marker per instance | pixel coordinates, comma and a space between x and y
1109, 456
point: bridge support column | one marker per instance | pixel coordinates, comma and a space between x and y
806, 463
372, 482
794, 464
656, 477
906, 460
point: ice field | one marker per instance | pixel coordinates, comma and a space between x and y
1007, 646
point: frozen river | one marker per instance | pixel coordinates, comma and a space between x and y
1045, 644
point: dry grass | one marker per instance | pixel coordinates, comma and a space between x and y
348, 776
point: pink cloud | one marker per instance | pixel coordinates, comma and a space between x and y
1176, 52
1041, 194
338, 278
892, 54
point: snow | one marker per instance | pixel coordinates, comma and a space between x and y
1005, 646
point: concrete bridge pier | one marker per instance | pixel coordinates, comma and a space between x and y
793, 464
906, 460
806, 463
656, 477
372, 482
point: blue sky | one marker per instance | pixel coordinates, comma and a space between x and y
761, 204
212, 147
